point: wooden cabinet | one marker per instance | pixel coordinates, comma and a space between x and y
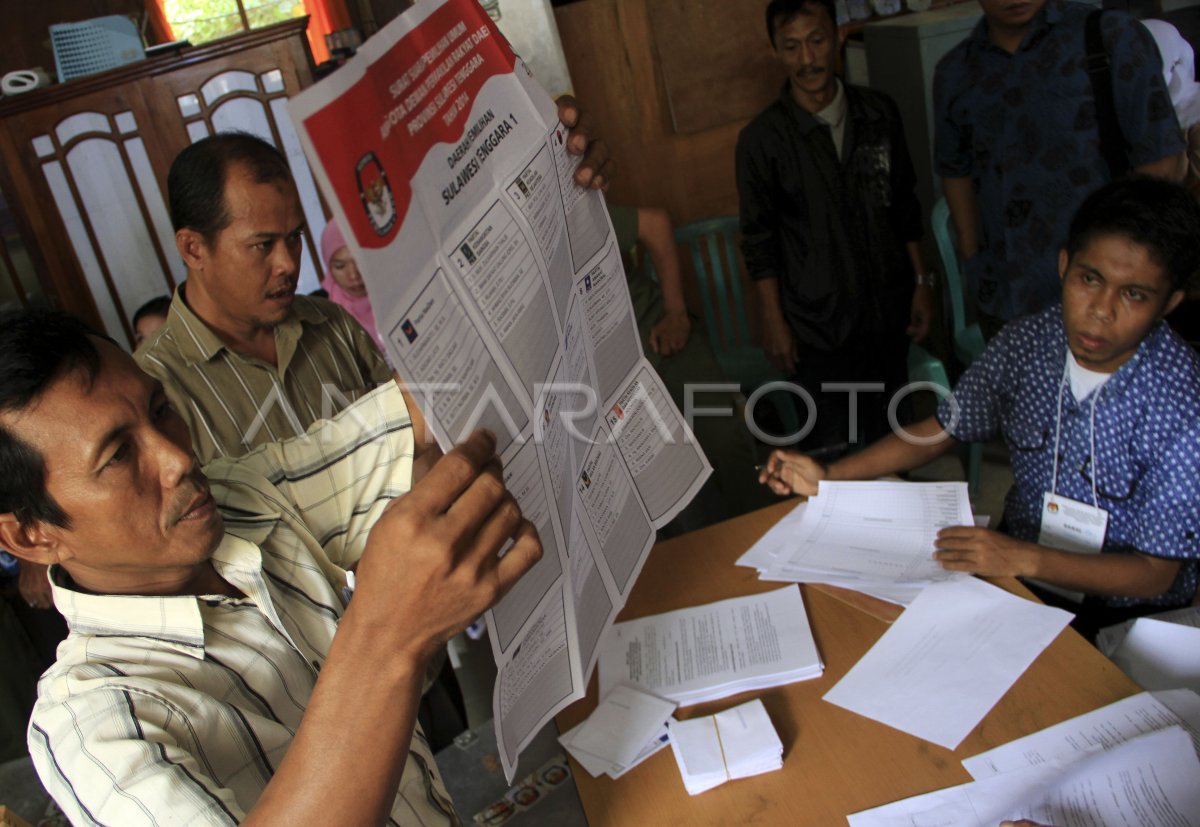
85, 164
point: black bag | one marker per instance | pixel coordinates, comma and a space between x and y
1099, 68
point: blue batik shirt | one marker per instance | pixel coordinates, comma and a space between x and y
1147, 439
1023, 127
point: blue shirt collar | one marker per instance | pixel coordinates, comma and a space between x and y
1056, 354
1047, 17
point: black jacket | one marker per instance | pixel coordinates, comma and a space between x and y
832, 232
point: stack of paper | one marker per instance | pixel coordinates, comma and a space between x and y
626, 728
709, 652
736, 743
1151, 781
1101, 729
873, 537
1126, 763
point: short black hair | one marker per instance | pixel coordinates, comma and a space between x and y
196, 181
782, 12
36, 348
159, 306
1160, 215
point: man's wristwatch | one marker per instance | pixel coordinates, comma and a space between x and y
927, 279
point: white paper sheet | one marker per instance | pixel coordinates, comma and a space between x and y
596, 766
947, 660
621, 725
1110, 637
1100, 729
1160, 655
1152, 781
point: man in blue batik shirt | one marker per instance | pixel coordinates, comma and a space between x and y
1018, 146
1099, 382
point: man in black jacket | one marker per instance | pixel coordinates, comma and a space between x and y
830, 228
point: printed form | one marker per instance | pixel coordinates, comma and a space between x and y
1100, 729
875, 531
707, 652
1151, 781
498, 288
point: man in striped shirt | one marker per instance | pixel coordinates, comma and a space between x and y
213, 674
243, 359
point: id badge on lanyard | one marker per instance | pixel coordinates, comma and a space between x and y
1068, 524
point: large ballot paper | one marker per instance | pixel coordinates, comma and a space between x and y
498, 287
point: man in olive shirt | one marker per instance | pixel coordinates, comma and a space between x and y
243, 359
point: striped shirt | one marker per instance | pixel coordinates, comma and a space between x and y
233, 403
178, 710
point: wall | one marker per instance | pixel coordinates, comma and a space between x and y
610, 52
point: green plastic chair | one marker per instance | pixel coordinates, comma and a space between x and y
967, 339
712, 243
923, 366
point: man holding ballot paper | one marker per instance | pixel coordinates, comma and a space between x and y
1099, 403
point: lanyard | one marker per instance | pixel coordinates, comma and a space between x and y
1063, 386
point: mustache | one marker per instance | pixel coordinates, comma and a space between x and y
187, 499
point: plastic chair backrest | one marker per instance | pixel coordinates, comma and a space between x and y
967, 338
942, 231
713, 246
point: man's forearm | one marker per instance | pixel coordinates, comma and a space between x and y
894, 453
964, 210
769, 301
1126, 575
1171, 168
913, 248
658, 238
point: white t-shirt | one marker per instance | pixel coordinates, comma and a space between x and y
1083, 381
835, 116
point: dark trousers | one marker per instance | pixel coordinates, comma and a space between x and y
864, 359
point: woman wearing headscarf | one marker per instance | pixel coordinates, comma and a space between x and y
344, 283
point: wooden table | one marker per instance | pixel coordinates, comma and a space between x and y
835, 762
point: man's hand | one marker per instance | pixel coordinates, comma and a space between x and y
670, 334
790, 472
596, 169
921, 314
34, 585
983, 551
432, 562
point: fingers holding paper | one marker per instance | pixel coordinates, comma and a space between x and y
983, 551
790, 472
597, 168
432, 563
